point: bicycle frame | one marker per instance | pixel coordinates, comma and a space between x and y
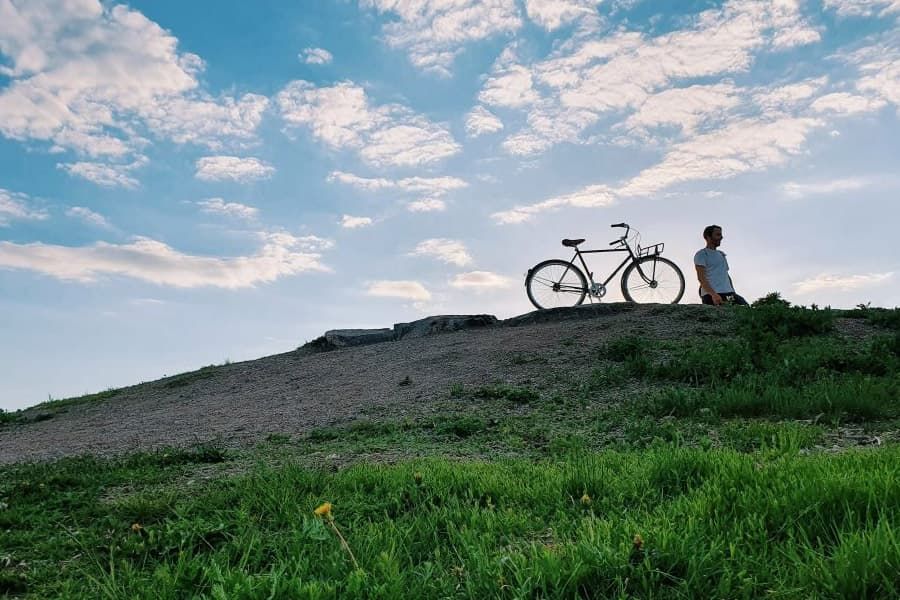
632, 258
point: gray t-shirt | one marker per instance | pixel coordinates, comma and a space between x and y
716, 266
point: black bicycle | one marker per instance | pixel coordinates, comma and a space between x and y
648, 277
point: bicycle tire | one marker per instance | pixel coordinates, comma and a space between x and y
672, 282
547, 288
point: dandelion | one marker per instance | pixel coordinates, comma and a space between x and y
323, 511
585, 500
637, 550
137, 527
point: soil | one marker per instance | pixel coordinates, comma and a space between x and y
241, 404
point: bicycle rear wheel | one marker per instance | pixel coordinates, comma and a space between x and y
664, 281
555, 283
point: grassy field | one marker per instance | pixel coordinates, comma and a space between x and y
769, 467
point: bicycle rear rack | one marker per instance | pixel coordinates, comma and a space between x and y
654, 250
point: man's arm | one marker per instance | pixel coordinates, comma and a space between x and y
706, 287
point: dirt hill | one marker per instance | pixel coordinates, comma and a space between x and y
291, 394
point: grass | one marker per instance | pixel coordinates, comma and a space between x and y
707, 477
711, 524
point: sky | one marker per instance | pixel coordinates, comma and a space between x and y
184, 184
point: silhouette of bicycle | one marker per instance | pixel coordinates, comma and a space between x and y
648, 277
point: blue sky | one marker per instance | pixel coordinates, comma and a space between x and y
185, 183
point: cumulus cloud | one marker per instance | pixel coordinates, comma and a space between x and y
741, 146
793, 189
842, 103
434, 32
88, 216
235, 210
425, 185
104, 174
552, 14
409, 290
449, 251
827, 281
349, 222
586, 77
426, 205
481, 121
590, 197
15, 206
863, 8
281, 255
316, 56
87, 77
480, 280
685, 108
232, 168
341, 117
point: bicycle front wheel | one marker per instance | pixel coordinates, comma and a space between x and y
555, 283
658, 280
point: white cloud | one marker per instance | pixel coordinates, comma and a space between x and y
449, 251
590, 197
230, 209
387, 135
742, 146
794, 189
232, 168
842, 103
552, 14
863, 8
316, 56
587, 77
14, 206
426, 185
480, 121
433, 32
86, 77
843, 283
480, 280
349, 222
105, 175
426, 205
789, 97
797, 35
88, 216
410, 290
511, 87
685, 108
281, 255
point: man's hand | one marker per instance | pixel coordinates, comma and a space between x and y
716, 299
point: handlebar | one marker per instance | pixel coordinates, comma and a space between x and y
620, 225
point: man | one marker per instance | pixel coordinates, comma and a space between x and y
712, 271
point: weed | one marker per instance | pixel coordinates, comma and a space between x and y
507, 392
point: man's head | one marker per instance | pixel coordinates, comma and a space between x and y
713, 236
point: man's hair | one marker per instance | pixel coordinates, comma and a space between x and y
708, 231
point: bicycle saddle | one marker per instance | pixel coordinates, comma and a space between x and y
571, 243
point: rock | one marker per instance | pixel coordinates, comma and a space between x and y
442, 324
343, 338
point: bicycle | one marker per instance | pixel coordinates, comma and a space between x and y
648, 277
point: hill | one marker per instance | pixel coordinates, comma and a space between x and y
606, 451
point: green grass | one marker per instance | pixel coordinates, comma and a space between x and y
713, 524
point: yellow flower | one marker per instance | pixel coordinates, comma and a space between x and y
638, 542
136, 527
324, 510
586, 500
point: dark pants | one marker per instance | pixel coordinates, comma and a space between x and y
730, 298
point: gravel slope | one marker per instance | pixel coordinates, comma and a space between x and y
242, 403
